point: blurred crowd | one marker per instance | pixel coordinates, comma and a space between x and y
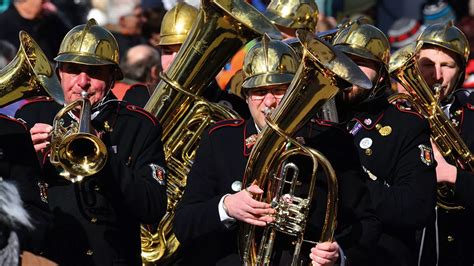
137, 23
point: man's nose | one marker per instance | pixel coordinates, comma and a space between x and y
83, 80
270, 100
439, 74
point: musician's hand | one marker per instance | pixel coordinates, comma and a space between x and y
243, 207
40, 135
445, 172
325, 253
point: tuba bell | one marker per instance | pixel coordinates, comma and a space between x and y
317, 79
28, 74
425, 100
221, 28
75, 151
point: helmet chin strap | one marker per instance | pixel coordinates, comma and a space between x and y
375, 90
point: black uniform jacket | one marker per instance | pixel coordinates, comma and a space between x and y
220, 165
454, 228
97, 220
18, 164
395, 151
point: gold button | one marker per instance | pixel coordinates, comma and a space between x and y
378, 126
93, 220
368, 152
89, 252
450, 239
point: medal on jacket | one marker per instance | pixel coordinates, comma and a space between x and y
384, 130
43, 189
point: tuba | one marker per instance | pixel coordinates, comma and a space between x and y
316, 81
404, 69
28, 74
221, 28
75, 151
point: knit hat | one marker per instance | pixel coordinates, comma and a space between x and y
404, 31
440, 12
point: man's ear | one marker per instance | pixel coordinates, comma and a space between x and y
155, 72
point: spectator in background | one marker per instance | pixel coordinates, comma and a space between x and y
128, 29
153, 12
141, 69
46, 27
438, 12
466, 25
403, 32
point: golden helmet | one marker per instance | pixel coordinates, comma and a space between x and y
90, 44
448, 36
294, 14
364, 40
177, 23
269, 62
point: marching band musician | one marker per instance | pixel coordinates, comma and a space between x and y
214, 202
442, 58
97, 220
393, 145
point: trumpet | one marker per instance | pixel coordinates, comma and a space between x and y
74, 149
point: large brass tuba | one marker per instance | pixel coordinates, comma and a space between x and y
404, 69
28, 74
316, 81
221, 28
75, 150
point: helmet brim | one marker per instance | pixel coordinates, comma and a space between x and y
88, 60
172, 39
278, 20
264, 80
352, 50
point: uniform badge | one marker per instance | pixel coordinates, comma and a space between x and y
250, 141
426, 154
236, 186
158, 173
365, 143
355, 129
43, 189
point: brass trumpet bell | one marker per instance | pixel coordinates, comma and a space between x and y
28, 74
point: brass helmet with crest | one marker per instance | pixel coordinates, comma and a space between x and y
177, 23
364, 40
269, 62
294, 14
448, 36
90, 44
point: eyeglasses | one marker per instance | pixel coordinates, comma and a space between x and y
260, 93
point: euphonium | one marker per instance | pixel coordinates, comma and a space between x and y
404, 69
74, 149
221, 28
316, 80
28, 74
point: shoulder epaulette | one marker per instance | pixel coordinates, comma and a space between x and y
142, 112
226, 123
36, 100
403, 109
18, 121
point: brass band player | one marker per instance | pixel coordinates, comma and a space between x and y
443, 52
97, 220
214, 202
